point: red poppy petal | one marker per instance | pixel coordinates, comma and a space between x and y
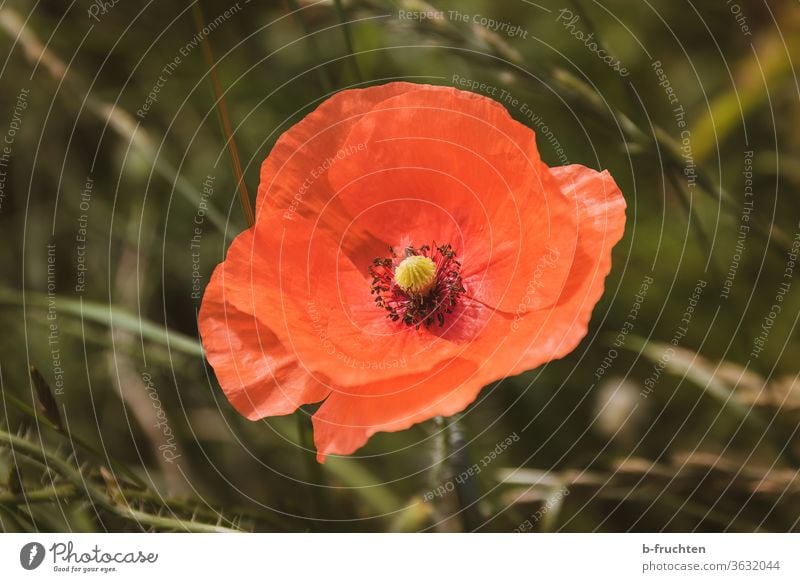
306, 146
257, 374
345, 421
290, 309
601, 222
312, 298
528, 340
454, 167
508, 345
294, 174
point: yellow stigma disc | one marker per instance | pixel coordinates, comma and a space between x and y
415, 274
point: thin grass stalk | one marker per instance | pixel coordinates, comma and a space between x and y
224, 118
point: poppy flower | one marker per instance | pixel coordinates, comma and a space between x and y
410, 247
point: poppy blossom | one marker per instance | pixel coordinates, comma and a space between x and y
410, 247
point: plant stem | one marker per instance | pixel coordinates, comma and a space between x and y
314, 469
466, 488
43, 495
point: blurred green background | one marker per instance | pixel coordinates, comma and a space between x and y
121, 426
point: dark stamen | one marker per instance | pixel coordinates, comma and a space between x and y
418, 309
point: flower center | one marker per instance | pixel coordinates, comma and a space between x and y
415, 274
421, 287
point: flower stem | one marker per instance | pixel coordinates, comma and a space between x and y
313, 469
451, 483
465, 483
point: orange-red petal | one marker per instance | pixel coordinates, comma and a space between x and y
508, 345
454, 167
288, 318
258, 375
